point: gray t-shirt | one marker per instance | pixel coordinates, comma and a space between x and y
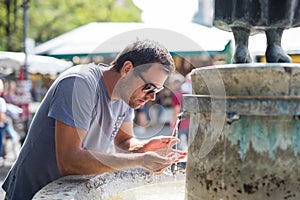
78, 98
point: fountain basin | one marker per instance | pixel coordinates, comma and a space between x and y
107, 186
245, 132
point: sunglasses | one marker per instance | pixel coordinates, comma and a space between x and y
149, 87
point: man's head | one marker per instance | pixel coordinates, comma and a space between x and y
144, 53
144, 66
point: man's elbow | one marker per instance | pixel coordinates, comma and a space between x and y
69, 164
65, 168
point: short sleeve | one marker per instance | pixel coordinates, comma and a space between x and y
129, 115
176, 98
73, 102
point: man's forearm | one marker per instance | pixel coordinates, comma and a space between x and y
131, 145
92, 162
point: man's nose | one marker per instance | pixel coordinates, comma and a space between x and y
151, 96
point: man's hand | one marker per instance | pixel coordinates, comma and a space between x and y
157, 163
162, 147
160, 143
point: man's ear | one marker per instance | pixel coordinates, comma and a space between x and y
127, 66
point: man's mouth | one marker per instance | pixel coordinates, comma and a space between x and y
141, 102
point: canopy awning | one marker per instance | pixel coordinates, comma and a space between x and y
104, 38
10, 61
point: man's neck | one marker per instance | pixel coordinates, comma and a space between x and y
111, 77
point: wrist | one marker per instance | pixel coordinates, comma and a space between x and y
139, 160
138, 147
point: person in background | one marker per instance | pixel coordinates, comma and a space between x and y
13, 112
3, 117
142, 119
10, 92
180, 88
87, 108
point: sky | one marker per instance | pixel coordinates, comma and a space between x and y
167, 11
182, 11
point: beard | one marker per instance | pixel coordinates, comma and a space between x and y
133, 103
129, 96
130, 99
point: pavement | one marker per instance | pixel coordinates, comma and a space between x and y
4, 169
11, 149
3, 172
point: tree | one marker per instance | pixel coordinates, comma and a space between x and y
48, 19
10, 25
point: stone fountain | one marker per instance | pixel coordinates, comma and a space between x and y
245, 132
245, 129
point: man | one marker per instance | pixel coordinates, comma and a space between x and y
86, 108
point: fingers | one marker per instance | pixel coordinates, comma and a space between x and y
177, 155
169, 139
177, 152
169, 142
160, 171
160, 143
166, 161
169, 151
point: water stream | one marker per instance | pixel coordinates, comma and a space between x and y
173, 169
172, 190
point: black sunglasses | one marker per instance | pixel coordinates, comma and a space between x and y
149, 87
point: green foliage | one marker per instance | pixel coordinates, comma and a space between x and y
50, 18
11, 30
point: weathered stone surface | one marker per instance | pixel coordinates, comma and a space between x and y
255, 157
101, 187
256, 79
245, 132
243, 105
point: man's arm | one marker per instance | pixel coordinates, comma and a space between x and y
124, 140
73, 159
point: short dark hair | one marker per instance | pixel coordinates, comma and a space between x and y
145, 53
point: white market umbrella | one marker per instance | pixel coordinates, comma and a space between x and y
112, 37
10, 61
